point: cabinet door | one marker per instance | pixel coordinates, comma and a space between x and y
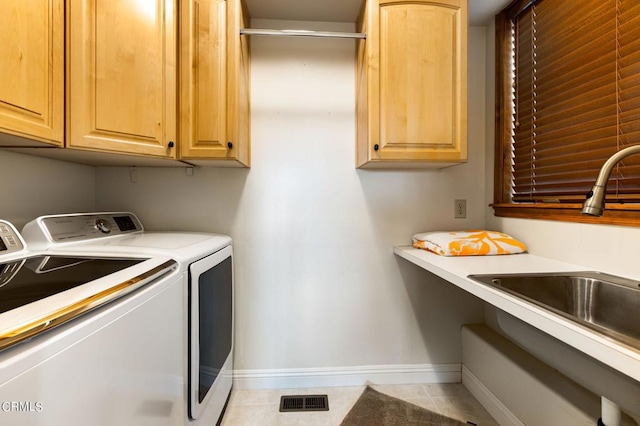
32, 64
213, 82
415, 81
203, 61
122, 76
239, 78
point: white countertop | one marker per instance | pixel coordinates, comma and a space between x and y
456, 270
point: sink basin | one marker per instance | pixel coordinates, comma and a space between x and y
604, 303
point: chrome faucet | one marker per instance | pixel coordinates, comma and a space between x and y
594, 204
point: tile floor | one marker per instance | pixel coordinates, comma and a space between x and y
260, 407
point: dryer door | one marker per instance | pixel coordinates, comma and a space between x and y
210, 333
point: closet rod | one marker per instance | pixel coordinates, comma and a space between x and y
301, 33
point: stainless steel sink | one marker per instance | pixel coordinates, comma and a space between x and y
605, 303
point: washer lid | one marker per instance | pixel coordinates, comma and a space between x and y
41, 292
28, 280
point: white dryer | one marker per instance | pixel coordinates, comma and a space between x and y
205, 262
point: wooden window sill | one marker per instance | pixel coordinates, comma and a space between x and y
614, 214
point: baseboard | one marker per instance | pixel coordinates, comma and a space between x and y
346, 376
489, 401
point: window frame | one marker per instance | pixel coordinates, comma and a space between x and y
614, 214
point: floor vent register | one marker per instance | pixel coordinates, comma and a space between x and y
304, 403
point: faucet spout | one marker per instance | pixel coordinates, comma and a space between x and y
594, 204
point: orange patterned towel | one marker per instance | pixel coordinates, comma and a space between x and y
468, 243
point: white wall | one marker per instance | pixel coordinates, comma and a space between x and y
34, 186
612, 249
317, 282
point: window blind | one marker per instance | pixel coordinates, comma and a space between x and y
576, 98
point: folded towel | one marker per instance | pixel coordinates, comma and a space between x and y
468, 243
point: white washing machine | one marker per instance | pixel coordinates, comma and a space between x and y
203, 309
80, 341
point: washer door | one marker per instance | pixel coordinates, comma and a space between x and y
210, 333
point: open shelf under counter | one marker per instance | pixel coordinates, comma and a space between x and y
457, 269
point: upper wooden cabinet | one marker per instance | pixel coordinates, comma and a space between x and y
411, 84
32, 64
121, 81
214, 83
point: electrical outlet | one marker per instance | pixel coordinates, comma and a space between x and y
459, 209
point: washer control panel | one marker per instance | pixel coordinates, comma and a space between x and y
81, 227
102, 225
10, 240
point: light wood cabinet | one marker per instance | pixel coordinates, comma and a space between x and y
121, 80
214, 83
32, 64
411, 79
